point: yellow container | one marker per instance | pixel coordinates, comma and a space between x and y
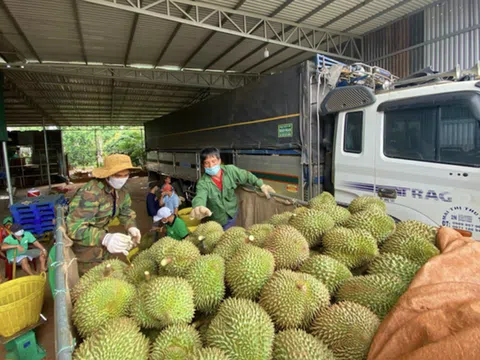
191, 229
184, 214
21, 302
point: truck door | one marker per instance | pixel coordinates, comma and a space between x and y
354, 152
427, 163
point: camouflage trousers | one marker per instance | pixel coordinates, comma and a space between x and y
90, 256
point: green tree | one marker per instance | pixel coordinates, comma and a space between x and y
128, 142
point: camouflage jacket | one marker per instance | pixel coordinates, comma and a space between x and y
93, 207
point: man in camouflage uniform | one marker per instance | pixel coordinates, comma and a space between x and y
93, 207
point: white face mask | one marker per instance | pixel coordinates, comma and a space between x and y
117, 183
19, 233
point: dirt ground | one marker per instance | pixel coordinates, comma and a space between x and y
46, 333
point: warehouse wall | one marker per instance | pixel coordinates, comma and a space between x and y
442, 35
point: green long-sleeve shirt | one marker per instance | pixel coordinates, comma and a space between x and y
223, 204
93, 207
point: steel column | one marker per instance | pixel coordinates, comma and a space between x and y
46, 155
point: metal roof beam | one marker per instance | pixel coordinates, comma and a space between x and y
303, 18
161, 92
170, 39
218, 80
76, 14
26, 99
212, 33
130, 39
239, 20
377, 15
4, 6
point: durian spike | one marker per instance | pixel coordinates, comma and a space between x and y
147, 275
108, 270
166, 261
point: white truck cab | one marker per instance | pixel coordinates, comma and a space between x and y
417, 148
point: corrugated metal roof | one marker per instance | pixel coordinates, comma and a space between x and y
74, 31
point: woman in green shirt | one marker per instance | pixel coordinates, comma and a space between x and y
19, 240
215, 193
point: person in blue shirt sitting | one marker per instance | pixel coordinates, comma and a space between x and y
169, 199
153, 203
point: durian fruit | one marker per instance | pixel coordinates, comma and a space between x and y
312, 224
352, 247
339, 214
296, 344
280, 219
293, 299
394, 264
138, 311
207, 277
378, 224
158, 249
242, 330
176, 342
325, 198
169, 300
329, 271
232, 240
379, 292
206, 236
347, 328
260, 233
119, 338
112, 268
207, 243
288, 246
248, 271
105, 300
141, 263
207, 228
300, 209
365, 202
176, 259
209, 353
414, 227
413, 247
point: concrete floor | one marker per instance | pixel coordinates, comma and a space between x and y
46, 333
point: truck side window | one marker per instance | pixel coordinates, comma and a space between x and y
353, 134
447, 134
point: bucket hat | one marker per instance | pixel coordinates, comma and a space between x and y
113, 164
162, 213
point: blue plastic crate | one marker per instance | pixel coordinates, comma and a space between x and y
36, 214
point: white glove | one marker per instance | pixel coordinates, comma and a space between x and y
135, 234
267, 189
200, 212
117, 243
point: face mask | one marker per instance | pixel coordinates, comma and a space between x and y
212, 171
117, 183
19, 233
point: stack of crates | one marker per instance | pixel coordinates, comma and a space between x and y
37, 214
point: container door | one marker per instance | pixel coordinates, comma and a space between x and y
353, 170
427, 166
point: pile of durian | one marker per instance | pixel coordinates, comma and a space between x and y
314, 283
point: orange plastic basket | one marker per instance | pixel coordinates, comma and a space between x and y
21, 302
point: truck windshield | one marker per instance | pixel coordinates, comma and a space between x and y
448, 134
